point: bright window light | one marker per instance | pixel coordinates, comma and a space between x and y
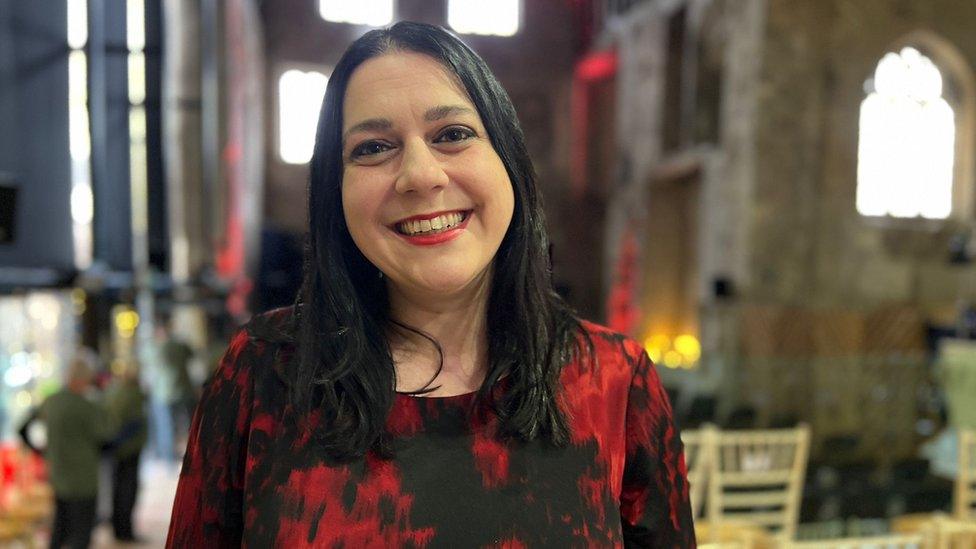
374, 13
499, 17
137, 78
299, 99
907, 141
79, 139
77, 23
135, 24
82, 204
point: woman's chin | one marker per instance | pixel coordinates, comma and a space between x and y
443, 285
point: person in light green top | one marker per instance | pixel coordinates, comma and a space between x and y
127, 403
77, 428
172, 391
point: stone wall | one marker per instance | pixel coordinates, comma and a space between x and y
777, 216
726, 167
809, 244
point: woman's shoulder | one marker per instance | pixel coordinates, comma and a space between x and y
276, 326
608, 346
258, 344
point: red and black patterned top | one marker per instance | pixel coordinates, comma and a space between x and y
252, 478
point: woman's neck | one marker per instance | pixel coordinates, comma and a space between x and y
457, 323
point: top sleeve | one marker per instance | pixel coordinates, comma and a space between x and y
208, 510
654, 500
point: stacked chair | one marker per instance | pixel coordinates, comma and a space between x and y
882, 542
964, 496
958, 530
949, 533
752, 482
697, 458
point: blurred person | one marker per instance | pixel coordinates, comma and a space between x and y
429, 387
171, 391
222, 329
126, 401
77, 429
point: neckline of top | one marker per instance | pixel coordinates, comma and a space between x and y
441, 398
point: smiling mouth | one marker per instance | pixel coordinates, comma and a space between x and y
439, 224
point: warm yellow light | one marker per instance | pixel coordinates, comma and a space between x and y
681, 352
79, 301
658, 341
673, 359
126, 322
656, 345
78, 296
688, 346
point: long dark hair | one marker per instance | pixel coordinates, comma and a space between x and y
344, 366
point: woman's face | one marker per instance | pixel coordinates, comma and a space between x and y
425, 196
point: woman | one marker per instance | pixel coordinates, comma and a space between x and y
429, 389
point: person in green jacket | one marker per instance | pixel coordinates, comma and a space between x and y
77, 428
126, 402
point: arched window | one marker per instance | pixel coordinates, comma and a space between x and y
907, 142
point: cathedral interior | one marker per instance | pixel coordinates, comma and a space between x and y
777, 198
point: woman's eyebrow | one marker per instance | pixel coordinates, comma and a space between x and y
436, 113
433, 114
368, 125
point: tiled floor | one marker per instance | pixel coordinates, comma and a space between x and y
158, 487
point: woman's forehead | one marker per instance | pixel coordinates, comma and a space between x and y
401, 78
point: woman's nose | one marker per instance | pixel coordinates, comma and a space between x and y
420, 171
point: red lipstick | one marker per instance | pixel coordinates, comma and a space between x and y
422, 217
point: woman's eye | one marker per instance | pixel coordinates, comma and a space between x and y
369, 148
454, 134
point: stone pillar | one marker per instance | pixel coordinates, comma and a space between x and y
183, 140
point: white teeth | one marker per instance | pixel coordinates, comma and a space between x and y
440, 223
